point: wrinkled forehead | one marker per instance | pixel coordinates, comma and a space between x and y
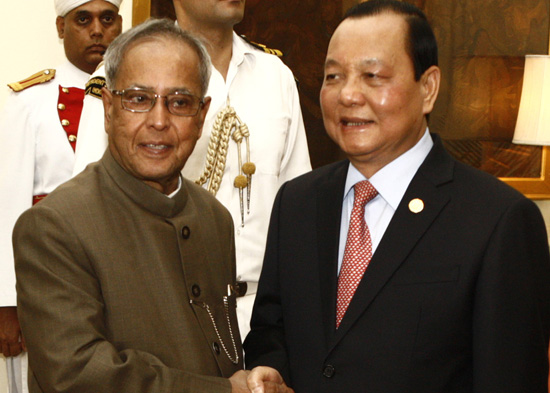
149, 60
370, 36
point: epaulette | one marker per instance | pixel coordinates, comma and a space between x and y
94, 86
35, 79
263, 48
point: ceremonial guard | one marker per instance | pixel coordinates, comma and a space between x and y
39, 130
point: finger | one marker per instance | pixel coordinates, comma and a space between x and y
4, 347
255, 383
10, 349
274, 387
266, 374
259, 376
15, 349
23, 343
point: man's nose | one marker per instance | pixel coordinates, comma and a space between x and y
96, 28
159, 114
352, 93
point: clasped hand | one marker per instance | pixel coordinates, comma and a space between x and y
259, 380
12, 342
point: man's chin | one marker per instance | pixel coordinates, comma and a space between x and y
94, 59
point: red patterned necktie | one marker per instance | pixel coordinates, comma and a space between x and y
358, 251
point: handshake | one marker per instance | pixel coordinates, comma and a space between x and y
259, 380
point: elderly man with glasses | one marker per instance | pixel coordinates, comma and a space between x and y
129, 283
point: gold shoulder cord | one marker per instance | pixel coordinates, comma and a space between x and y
228, 124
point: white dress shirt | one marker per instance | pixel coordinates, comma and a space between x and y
391, 182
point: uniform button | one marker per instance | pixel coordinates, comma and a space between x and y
65, 122
61, 107
185, 232
65, 90
328, 371
216, 347
72, 138
196, 290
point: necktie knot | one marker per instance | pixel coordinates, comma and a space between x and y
364, 192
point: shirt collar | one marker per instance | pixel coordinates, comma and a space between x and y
241, 51
177, 189
71, 76
392, 180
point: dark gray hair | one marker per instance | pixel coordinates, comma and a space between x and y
154, 28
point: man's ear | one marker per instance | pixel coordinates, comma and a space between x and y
119, 24
107, 98
430, 81
60, 25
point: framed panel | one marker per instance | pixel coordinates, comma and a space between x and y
141, 10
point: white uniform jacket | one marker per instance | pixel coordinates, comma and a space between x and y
36, 158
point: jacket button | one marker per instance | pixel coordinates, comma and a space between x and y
216, 347
185, 232
328, 371
196, 290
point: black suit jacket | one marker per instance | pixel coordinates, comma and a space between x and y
456, 297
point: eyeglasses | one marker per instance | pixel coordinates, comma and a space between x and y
140, 100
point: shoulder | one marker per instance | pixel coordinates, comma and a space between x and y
270, 59
324, 179
483, 185
76, 194
464, 182
204, 201
261, 48
96, 82
267, 62
36, 79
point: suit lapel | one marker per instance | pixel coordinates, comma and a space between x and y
330, 194
407, 226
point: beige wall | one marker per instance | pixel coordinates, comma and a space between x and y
30, 44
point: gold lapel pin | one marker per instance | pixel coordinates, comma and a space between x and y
416, 205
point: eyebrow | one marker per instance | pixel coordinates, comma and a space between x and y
181, 90
363, 63
370, 62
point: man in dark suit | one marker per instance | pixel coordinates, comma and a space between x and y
448, 278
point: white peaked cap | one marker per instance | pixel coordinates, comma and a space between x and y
63, 7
